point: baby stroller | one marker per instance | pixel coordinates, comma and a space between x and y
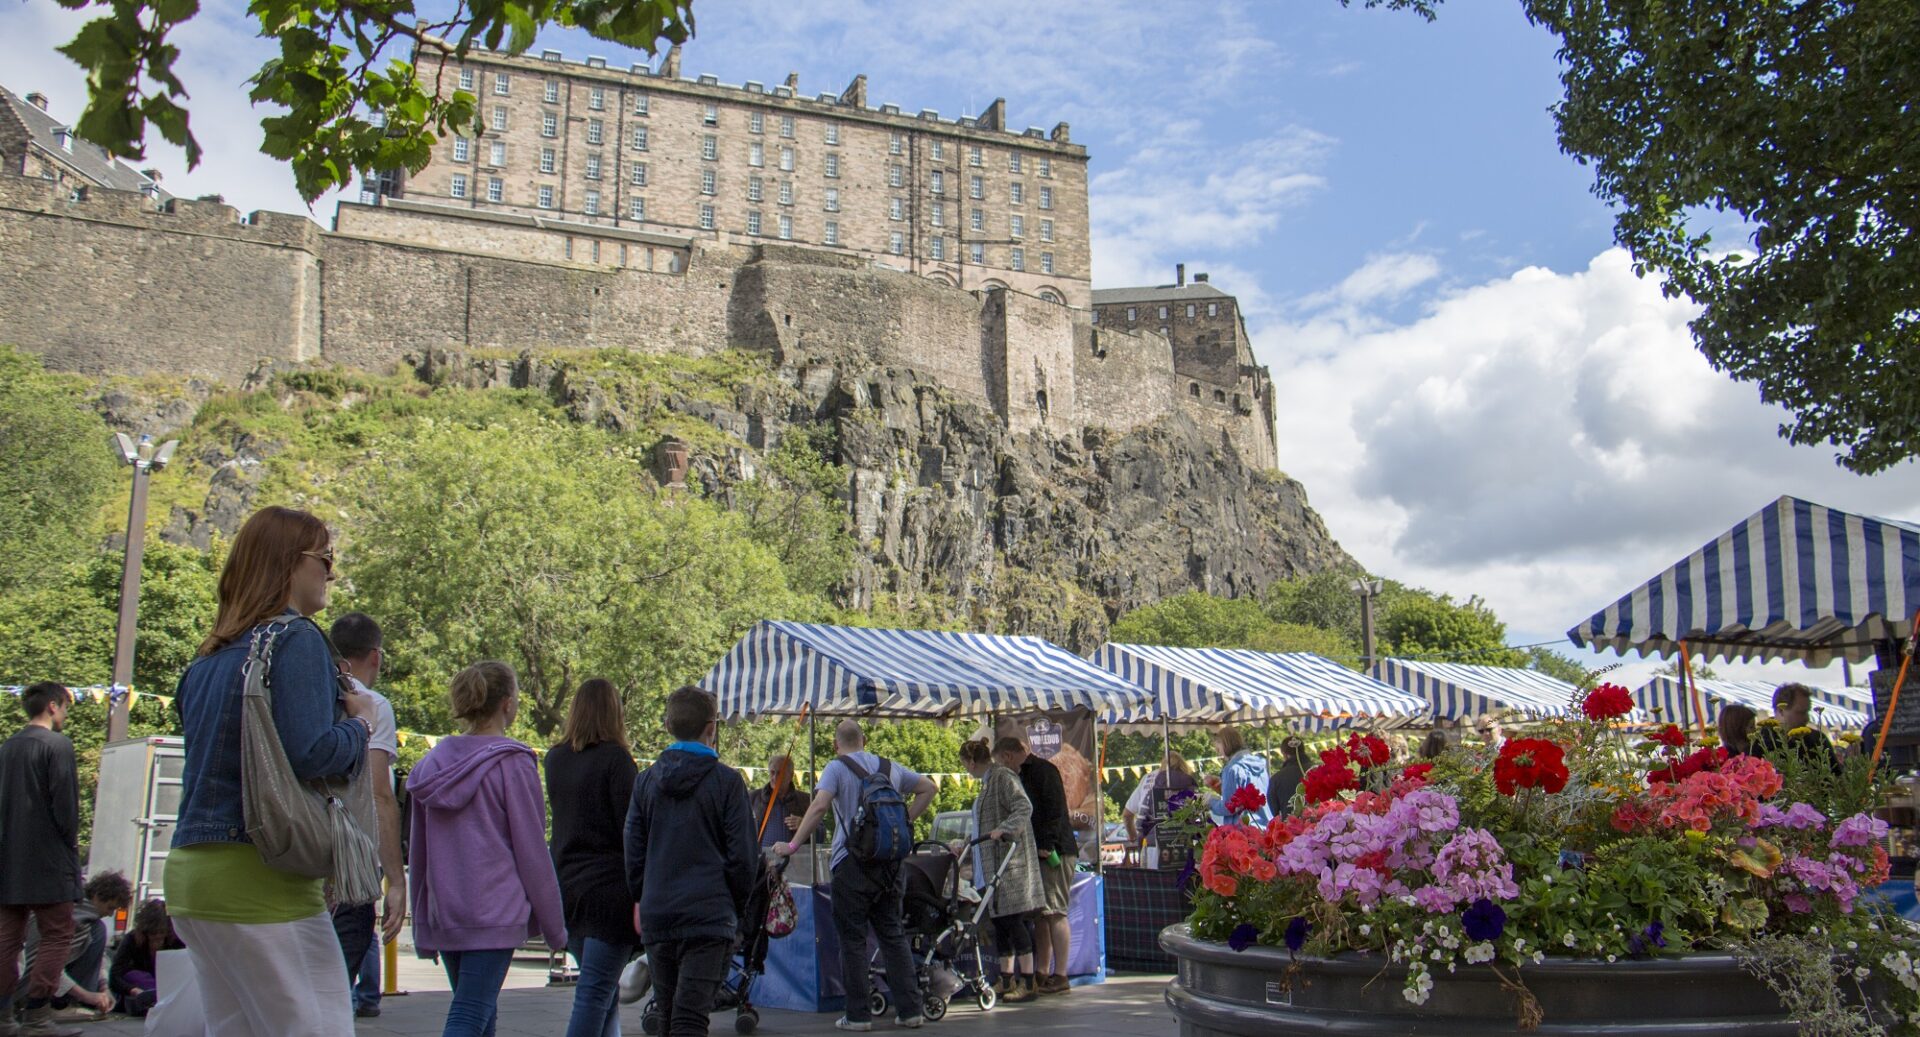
944, 930
749, 961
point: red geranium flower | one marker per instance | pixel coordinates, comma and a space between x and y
1246, 800
1670, 735
1327, 781
1708, 759
1530, 763
1418, 770
1368, 750
1606, 702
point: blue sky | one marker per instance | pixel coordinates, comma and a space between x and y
1476, 391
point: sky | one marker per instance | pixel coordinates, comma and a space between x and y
1479, 395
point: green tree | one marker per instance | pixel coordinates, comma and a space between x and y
1434, 626
792, 507
57, 476
347, 98
1558, 666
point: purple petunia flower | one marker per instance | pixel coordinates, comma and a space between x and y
1179, 799
1653, 931
1483, 920
1297, 931
1188, 870
1243, 936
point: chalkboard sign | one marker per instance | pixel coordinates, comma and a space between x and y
1906, 722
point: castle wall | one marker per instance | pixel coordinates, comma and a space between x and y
1122, 379
1029, 349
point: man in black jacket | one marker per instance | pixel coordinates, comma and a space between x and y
39, 855
1053, 840
691, 864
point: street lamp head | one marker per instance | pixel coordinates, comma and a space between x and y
1366, 588
123, 445
165, 453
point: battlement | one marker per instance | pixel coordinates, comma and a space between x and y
134, 210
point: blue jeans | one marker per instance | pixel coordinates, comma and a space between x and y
476, 977
596, 1001
366, 990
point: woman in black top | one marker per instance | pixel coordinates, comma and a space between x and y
589, 781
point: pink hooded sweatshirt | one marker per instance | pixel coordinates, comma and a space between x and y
482, 877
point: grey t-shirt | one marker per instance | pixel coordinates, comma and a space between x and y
840, 781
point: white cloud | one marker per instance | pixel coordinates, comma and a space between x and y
1545, 440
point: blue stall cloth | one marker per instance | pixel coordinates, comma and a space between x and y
1896, 894
1463, 691
1241, 686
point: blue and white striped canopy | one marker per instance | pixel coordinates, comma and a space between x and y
1459, 691
1795, 581
782, 668
1860, 700
1669, 695
1239, 686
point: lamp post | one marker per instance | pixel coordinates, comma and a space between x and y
1366, 589
145, 460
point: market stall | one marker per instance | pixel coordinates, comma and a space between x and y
1210, 686
1670, 697
1462, 692
823, 672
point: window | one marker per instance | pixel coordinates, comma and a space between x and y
462, 149
1046, 165
640, 104
897, 243
1046, 198
1193, 389
639, 138
786, 126
833, 133
757, 122
833, 232
756, 154
597, 98
833, 165
707, 179
596, 131
1016, 226
754, 190
939, 214
939, 151
500, 84
466, 80
500, 117
546, 197
1016, 193
497, 153
546, 160
896, 144
976, 254
1019, 259
711, 116
551, 92
753, 222
786, 228
1190, 311
939, 247
1096, 316
896, 209
706, 217
1013, 162
976, 188
1046, 234
1163, 313
549, 124
592, 206
786, 192
638, 175
709, 147
593, 166
1213, 309
1132, 314
896, 176
977, 219
496, 189
833, 199
1219, 396
637, 208
1046, 262
939, 182
458, 189
786, 159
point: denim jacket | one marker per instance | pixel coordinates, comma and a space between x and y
319, 739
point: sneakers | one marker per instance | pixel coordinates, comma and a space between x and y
912, 1022
39, 1022
844, 1023
1053, 985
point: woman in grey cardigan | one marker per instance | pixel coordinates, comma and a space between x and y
1003, 813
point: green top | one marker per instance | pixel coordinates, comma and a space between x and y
228, 882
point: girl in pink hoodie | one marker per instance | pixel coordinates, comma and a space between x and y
483, 881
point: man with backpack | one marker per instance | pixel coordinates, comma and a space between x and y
872, 834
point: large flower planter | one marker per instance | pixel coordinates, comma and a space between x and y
1259, 992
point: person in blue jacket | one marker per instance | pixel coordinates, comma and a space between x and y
1242, 768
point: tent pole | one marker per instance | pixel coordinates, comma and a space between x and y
1893, 698
1693, 689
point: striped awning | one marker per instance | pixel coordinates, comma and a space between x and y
1239, 686
1796, 581
1460, 691
782, 668
1669, 696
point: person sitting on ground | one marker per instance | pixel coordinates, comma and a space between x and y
788, 803
81, 982
1143, 815
1736, 729
131, 975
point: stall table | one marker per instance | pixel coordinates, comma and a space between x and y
1140, 903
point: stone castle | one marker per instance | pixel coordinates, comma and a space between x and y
823, 232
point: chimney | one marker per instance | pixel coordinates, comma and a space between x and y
1179, 275
995, 117
1199, 279
670, 68
38, 100
1062, 133
793, 82
856, 92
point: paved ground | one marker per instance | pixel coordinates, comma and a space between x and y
1124, 1006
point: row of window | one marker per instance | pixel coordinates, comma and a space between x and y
1133, 312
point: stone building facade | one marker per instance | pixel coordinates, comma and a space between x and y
967, 202
34, 143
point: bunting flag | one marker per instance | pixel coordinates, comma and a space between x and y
98, 693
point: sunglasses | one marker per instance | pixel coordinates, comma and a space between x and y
325, 557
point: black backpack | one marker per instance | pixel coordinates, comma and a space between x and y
879, 831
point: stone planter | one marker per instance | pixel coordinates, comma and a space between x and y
1219, 992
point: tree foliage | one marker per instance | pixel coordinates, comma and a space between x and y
348, 97
56, 476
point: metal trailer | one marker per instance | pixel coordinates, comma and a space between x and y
134, 810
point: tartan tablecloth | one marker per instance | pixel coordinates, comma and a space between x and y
1140, 903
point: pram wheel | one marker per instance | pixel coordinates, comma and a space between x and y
935, 1008
650, 1017
986, 999
876, 1004
746, 1022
